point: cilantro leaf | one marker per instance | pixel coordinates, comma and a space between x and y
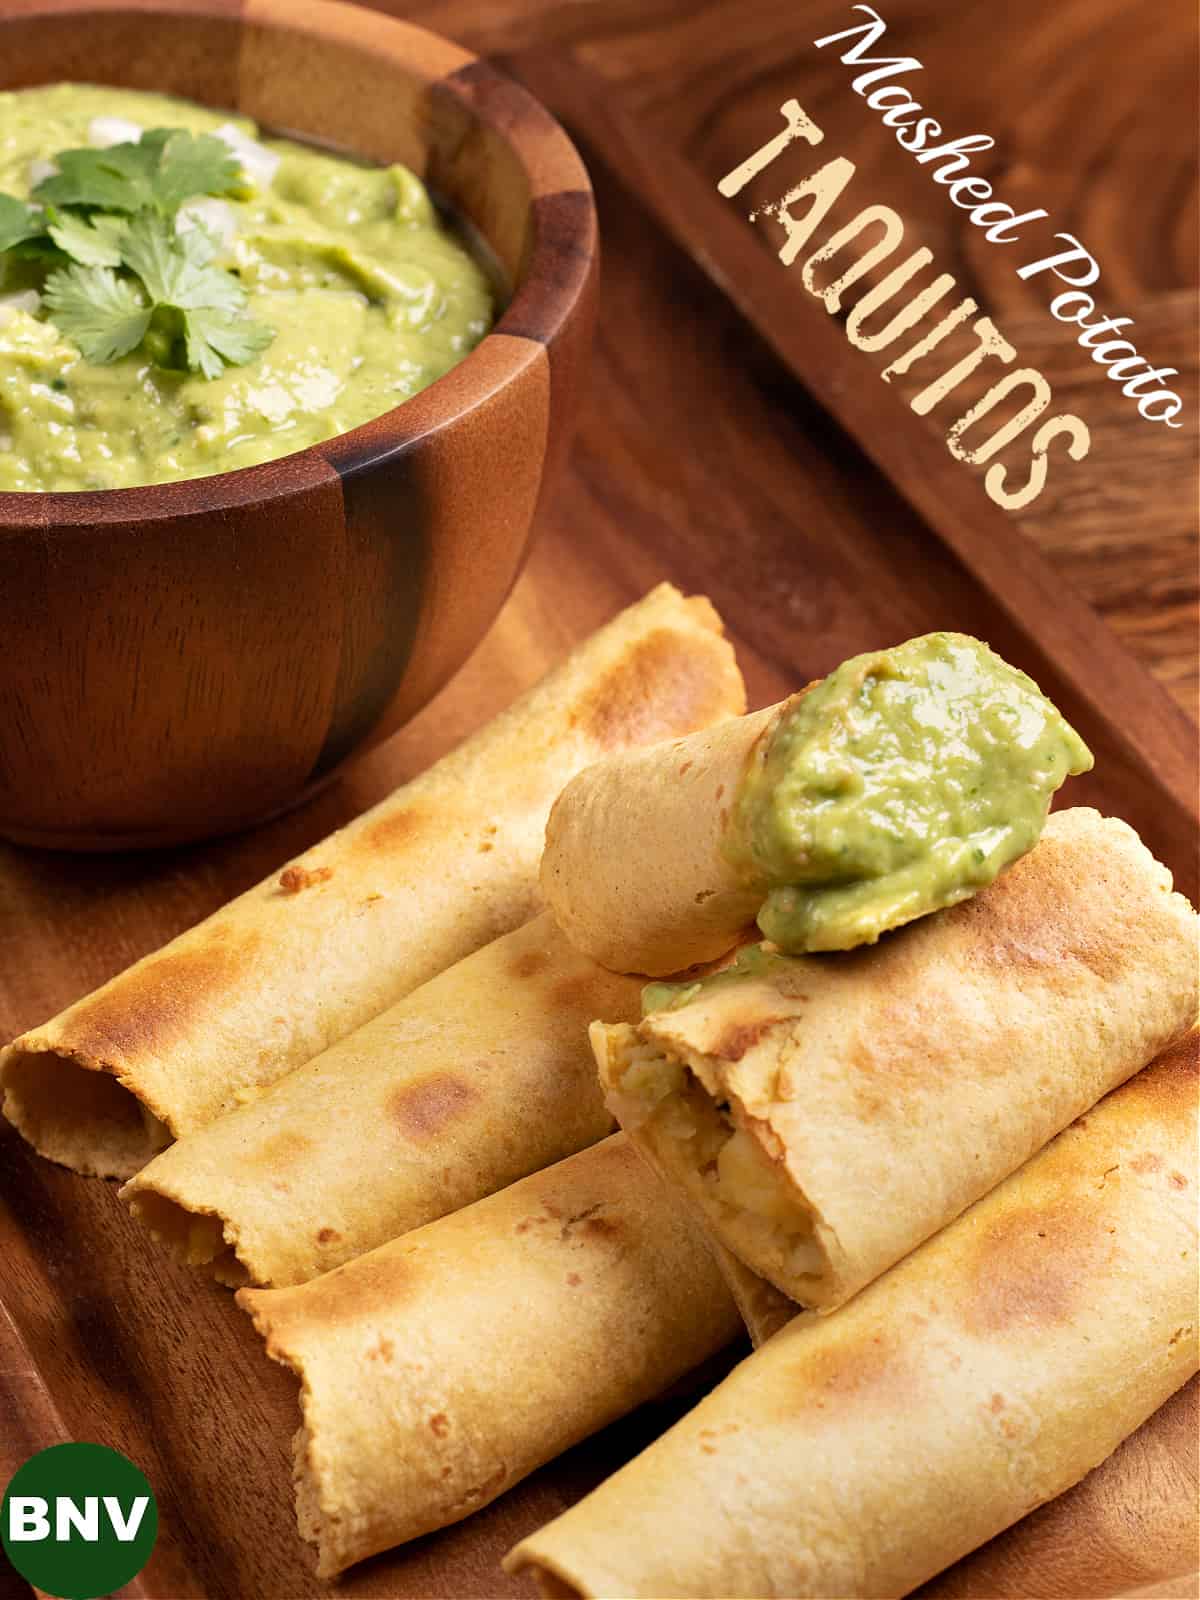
110, 215
190, 164
158, 172
119, 178
218, 338
18, 222
104, 315
174, 267
91, 244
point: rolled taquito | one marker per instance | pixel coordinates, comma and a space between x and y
856, 1455
828, 1113
444, 864
903, 782
1093, 1540
440, 1369
477, 1078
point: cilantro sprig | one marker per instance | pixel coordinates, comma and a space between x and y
118, 273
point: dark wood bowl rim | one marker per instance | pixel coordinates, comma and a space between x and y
556, 293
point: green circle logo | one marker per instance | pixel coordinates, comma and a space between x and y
79, 1520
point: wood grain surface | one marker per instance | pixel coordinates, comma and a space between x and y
1093, 106
701, 457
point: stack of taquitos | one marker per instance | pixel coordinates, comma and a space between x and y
440, 1369
477, 1078
828, 1113
444, 864
858, 1454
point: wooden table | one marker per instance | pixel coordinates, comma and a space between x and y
1093, 109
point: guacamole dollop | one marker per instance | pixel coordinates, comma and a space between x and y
369, 295
903, 782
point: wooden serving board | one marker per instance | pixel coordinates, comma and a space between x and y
708, 453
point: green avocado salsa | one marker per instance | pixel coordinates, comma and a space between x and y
903, 782
323, 292
751, 961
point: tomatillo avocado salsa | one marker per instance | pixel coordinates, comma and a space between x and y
179, 297
903, 782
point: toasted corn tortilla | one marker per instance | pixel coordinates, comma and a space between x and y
477, 1078
446, 863
439, 1370
1092, 1539
833, 1112
859, 1454
633, 868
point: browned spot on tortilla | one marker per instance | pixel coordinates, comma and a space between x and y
488, 1489
590, 1224
686, 767
439, 1423
574, 1279
1167, 1087
484, 846
426, 1107
665, 684
393, 830
383, 1351
529, 963
576, 993
733, 1043
720, 794
708, 1436
1146, 1163
155, 1004
1034, 1266
374, 1289
327, 1235
1177, 1180
296, 877
282, 1149
600, 1227
997, 1402
866, 1371
1018, 921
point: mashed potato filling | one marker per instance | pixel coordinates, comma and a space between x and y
711, 1148
196, 1239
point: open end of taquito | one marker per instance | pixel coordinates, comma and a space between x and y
478, 1078
71, 1108
439, 1369
441, 866
828, 1113
197, 1238
674, 1104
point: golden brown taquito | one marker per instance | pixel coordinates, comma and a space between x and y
477, 1078
634, 870
828, 1113
858, 1454
444, 864
439, 1370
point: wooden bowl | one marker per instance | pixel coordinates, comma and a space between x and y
185, 659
